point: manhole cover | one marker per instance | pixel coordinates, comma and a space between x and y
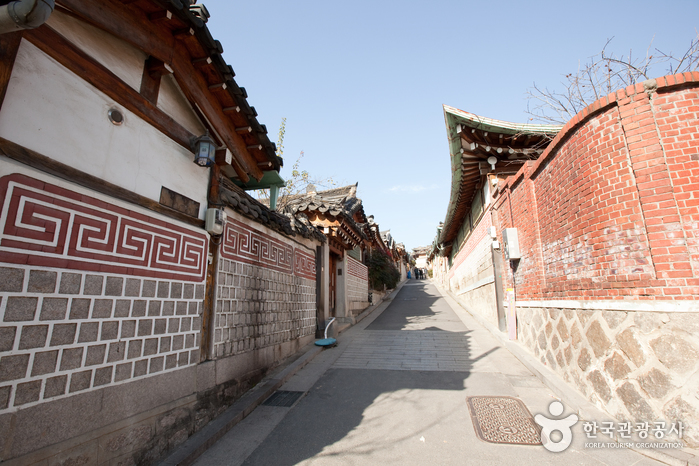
503, 419
282, 398
409, 299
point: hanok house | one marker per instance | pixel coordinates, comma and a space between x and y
350, 236
397, 253
593, 244
132, 308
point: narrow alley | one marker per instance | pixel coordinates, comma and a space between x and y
394, 391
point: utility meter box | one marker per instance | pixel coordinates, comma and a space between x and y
511, 243
215, 220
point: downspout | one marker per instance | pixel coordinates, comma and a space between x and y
24, 14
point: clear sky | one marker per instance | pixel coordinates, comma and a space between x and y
362, 83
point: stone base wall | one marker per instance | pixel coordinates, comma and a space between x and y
259, 308
640, 365
65, 332
140, 422
266, 289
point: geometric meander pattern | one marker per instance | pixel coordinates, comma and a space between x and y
244, 244
45, 225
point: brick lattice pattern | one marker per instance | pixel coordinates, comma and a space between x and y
65, 332
265, 296
357, 284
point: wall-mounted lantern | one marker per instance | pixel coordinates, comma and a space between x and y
204, 150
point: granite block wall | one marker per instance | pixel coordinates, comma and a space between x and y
64, 332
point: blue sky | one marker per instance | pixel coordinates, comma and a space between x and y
362, 83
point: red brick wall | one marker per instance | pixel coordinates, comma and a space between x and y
611, 209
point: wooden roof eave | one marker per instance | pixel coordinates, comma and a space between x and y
468, 157
155, 39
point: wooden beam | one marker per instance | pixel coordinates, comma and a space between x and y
77, 61
9, 45
164, 15
157, 68
134, 27
66, 172
129, 24
153, 71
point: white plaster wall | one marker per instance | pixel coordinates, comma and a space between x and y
127, 63
477, 268
172, 101
118, 56
50, 110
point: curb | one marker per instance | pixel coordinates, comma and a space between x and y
584, 408
197, 444
204, 439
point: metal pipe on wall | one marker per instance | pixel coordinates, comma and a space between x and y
24, 14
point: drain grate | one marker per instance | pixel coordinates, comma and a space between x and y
503, 419
282, 398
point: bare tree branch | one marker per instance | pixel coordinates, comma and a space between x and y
602, 74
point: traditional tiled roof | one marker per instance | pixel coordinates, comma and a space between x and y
240, 201
338, 202
473, 139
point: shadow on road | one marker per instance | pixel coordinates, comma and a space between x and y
353, 413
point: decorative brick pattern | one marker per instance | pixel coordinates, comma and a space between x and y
635, 365
258, 307
304, 264
266, 291
63, 332
611, 209
357, 284
250, 246
49, 226
357, 269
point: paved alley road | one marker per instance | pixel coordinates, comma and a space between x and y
394, 392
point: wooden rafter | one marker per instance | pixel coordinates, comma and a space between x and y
156, 40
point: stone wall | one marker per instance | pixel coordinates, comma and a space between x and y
607, 218
639, 365
65, 332
73, 318
100, 324
101, 308
266, 289
357, 285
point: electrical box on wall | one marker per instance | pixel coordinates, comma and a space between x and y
215, 220
511, 243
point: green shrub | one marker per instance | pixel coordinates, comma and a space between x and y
382, 271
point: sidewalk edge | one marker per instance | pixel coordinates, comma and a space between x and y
584, 408
204, 439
